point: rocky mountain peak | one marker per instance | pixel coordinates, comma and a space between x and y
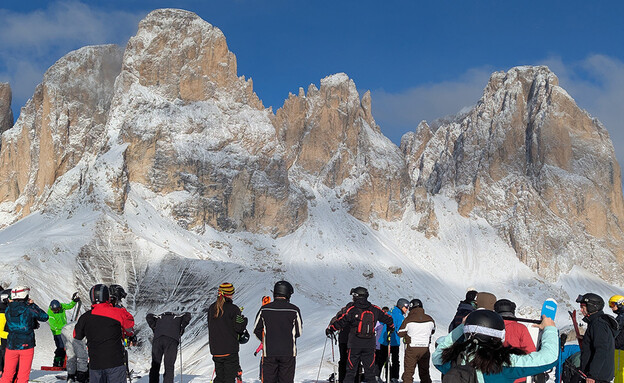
6, 114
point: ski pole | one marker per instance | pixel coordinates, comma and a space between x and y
333, 358
320, 364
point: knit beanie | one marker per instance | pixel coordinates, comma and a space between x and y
226, 289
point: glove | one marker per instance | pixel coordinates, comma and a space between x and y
75, 297
132, 339
329, 332
240, 318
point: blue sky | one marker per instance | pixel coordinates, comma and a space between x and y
420, 60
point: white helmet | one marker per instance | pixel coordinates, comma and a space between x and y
20, 292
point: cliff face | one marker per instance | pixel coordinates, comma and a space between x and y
536, 166
6, 114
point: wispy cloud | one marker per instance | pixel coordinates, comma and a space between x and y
31, 42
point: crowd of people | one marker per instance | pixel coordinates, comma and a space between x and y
485, 341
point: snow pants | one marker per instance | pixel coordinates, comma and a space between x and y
11, 360
278, 369
416, 356
167, 347
76, 350
226, 368
619, 366
108, 375
395, 364
366, 356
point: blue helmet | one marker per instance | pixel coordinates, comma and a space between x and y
55, 306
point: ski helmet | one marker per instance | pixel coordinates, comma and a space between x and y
402, 302
592, 301
505, 306
99, 294
55, 306
359, 292
484, 326
117, 292
283, 289
616, 301
20, 292
5, 295
415, 303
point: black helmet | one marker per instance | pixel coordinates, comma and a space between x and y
593, 302
55, 306
99, 294
402, 302
117, 292
244, 337
5, 295
484, 326
505, 306
415, 303
359, 292
283, 289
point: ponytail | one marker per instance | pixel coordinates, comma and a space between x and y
219, 306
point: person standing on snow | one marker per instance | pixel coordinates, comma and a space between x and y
417, 329
77, 355
168, 329
4, 301
465, 307
278, 325
105, 328
360, 318
117, 293
380, 357
598, 345
616, 303
397, 313
226, 325
57, 320
22, 317
516, 334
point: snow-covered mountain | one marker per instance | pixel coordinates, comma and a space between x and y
158, 168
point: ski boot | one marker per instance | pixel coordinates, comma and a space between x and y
71, 378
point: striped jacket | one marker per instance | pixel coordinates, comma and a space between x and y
521, 365
278, 324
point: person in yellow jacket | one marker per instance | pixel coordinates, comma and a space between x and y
616, 303
4, 301
58, 320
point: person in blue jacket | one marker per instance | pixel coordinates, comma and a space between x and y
398, 315
478, 342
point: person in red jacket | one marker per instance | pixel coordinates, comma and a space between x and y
516, 334
105, 327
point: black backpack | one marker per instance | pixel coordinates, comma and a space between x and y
463, 373
366, 325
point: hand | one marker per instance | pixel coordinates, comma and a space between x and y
546, 321
75, 297
329, 332
132, 340
30, 301
590, 380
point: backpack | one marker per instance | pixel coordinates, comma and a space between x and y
463, 373
366, 325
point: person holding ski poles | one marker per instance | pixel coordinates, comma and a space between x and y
417, 329
361, 318
616, 303
278, 325
22, 317
57, 320
598, 345
393, 341
226, 325
105, 328
168, 329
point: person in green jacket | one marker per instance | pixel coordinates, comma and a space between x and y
57, 321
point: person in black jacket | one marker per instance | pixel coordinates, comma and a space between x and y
226, 325
465, 307
361, 318
598, 345
278, 324
343, 339
168, 329
616, 303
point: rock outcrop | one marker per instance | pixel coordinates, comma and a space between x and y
331, 135
536, 166
6, 114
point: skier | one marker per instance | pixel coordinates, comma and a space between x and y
278, 325
616, 303
464, 308
598, 346
477, 345
57, 320
417, 329
168, 329
343, 339
4, 301
360, 318
77, 356
397, 313
226, 325
516, 334
380, 356
105, 328
22, 316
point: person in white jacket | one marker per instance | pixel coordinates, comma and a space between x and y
417, 329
